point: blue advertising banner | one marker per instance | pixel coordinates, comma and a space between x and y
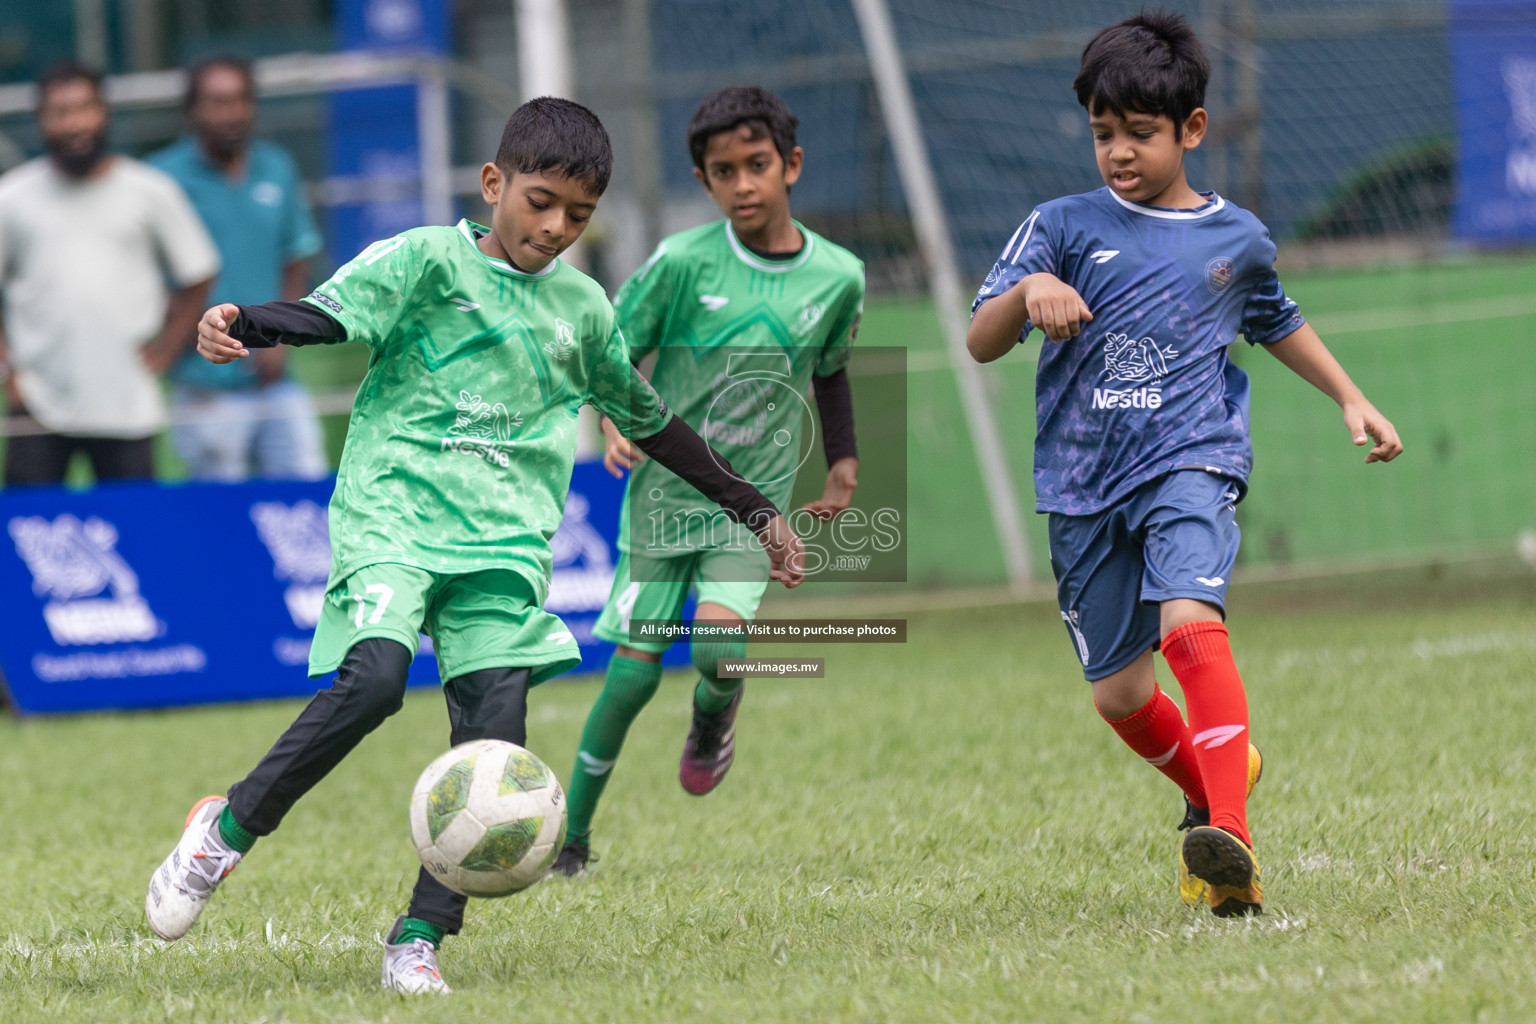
373, 132
1493, 52
149, 595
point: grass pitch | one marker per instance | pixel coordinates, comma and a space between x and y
941, 831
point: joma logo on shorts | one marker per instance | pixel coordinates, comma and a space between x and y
1131, 398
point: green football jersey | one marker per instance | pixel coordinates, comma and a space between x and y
738, 338
463, 433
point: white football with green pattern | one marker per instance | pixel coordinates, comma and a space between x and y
488, 818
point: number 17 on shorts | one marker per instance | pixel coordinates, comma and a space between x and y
383, 600
380, 594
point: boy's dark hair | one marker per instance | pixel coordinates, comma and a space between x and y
1151, 63
197, 72
764, 114
62, 71
551, 134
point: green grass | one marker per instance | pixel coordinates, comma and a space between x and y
941, 831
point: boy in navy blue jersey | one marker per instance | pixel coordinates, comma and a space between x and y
1142, 451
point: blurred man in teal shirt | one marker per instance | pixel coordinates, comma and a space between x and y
249, 417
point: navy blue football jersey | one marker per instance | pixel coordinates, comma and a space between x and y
1147, 387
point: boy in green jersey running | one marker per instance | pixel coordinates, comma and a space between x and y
457, 463
743, 314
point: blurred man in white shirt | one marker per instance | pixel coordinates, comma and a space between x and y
104, 270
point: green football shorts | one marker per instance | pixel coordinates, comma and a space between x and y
487, 619
718, 572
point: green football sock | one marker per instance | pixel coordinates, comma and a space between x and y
714, 694
413, 928
235, 837
629, 686
712, 697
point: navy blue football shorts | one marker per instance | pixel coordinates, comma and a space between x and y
1173, 537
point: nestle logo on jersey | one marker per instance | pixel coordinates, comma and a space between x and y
482, 430
717, 432
1138, 361
1133, 398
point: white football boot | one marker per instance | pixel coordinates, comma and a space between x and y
180, 887
410, 968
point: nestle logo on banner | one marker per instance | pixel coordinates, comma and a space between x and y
72, 564
1520, 86
583, 567
298, 537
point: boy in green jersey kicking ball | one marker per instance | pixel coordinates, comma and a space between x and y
742, 314
484, 346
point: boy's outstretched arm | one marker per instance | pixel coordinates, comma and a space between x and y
834, 400
1044, 300
1306, 355
227, 332
678, 447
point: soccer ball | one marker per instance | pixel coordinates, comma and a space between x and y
488, 818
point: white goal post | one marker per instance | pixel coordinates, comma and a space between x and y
931, 226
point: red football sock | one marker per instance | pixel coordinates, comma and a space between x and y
1157, 732
1201, 658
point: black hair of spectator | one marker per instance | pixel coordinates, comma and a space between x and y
197, 72
1151, 63
62, 71
764, 114
552, 134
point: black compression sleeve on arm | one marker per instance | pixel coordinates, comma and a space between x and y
285, 323
678, 447
834, 400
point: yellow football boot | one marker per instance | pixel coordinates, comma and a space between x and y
1192, 890
1228, 868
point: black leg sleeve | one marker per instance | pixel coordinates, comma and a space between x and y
491, 704
369, 687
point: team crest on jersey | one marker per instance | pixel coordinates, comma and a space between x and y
482, 430
1218, 274
810, 316
564, 341
1140, 362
